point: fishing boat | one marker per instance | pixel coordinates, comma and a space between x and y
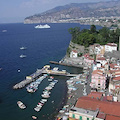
21, 105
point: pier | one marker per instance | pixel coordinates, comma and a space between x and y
44, 70
30, 78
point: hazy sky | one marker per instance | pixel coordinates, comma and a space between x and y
17, 10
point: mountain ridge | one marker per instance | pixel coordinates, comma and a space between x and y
76, 11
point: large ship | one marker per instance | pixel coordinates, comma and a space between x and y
42, 26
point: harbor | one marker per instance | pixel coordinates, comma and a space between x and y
39, 72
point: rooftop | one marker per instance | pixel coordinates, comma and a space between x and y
111, 108
84, 111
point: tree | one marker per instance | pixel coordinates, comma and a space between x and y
93, 29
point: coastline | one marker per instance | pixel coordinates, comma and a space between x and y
72, 62
72, 96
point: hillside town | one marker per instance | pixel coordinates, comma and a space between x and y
102, 75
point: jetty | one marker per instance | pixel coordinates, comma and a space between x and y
36, 75
30, 78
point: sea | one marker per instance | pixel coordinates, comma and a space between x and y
43, 45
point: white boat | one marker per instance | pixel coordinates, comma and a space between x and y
22, 56
4, 30
42, 26
34, 117
23, 48
45, 95
21, 105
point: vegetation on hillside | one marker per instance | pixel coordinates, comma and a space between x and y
90, 36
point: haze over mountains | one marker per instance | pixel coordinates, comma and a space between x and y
74, 11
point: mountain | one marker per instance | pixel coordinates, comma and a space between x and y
74, 11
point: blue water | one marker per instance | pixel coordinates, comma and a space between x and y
42, 45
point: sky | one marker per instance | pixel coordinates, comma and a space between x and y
13, 11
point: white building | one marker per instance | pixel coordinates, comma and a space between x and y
74, 54
109, 47
98, 49
102, 60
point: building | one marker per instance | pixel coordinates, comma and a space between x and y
74, 54
88, 60
109, 47
88, 108
102, 60
98, 80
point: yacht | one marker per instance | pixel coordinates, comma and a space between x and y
42, 26
22, 56
21, 105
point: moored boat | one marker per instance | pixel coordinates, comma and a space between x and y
21, 105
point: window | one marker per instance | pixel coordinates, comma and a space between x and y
73, 115
80, 118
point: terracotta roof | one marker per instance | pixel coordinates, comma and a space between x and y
113, 71
111, 108
113, 65
97, 72
110, 98
101, 115
90, 58
116, 78
110, 117
95, 95
75, 51
101, 58
111, 44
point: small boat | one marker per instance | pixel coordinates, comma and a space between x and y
4, 30
21, 105
18, 70
45, 95
34, 117
22, 56
23, 48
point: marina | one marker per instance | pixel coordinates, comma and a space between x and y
44, 70
45, 95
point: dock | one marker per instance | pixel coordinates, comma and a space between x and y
30, 78
65, 64
44, 70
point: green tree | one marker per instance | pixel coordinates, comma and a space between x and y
93, 29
